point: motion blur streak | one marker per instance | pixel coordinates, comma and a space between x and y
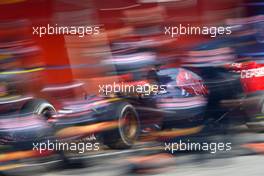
75, 131
130, 76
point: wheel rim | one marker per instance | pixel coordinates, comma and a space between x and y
47, 113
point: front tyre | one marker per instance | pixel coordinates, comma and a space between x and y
40, 107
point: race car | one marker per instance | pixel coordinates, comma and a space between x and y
118, 118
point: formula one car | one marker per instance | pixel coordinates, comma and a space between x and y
120, 120
151, 100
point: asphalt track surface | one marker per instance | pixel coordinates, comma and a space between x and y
241, 161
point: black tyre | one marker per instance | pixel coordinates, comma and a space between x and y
128, 129
39, 107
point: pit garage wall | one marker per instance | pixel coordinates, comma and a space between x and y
53, 52
59, 50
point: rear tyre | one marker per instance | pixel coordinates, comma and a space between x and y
128, 128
